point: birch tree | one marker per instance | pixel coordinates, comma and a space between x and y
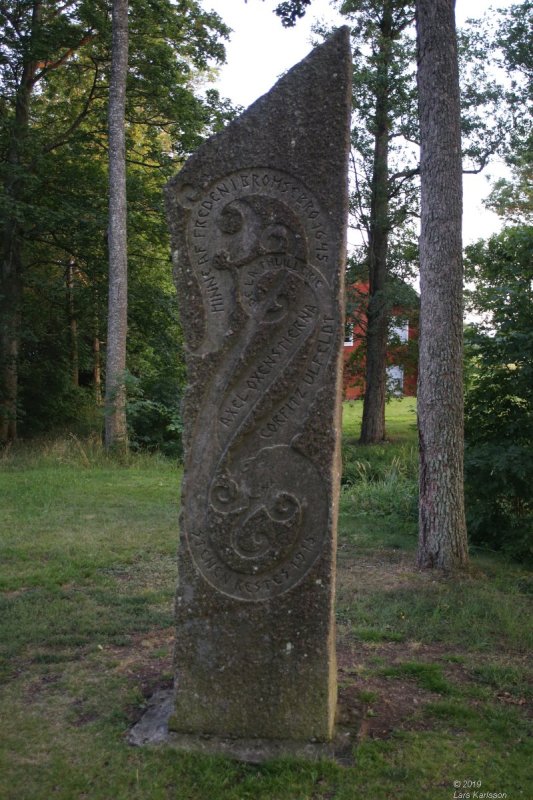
117, 319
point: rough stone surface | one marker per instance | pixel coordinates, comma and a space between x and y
152, 730
258, 223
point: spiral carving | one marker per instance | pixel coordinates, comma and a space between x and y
258, 245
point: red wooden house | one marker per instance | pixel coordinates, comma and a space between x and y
402, 358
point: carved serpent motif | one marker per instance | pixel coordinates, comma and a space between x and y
257, 524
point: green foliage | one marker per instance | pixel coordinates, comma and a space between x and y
155, 356
499, 399
385, 73
291, 10
155, 424
486, 115
383, 82
60, 202
512, 197
516, 38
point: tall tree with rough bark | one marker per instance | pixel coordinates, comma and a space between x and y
37, 39
11, 280
35, 56
442, 528
116, 433
54, 89
384, 195
385, 167
373, 422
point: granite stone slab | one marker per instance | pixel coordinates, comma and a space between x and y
258, 223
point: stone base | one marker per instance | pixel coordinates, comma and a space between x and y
152, 729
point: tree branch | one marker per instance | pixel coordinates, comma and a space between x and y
46, 66
405, 173
362, 215
482, 163
151, 165
76, 123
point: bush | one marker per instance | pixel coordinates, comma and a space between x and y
499, 398
154, 422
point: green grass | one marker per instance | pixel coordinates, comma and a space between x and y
86, 634
458, 612
63, 521
429, 676
380, 482
400, 420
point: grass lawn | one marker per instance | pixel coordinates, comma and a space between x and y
434, 678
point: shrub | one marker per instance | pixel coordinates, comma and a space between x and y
499, 398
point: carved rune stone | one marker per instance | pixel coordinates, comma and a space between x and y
258, 223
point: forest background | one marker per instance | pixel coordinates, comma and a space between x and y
54, 82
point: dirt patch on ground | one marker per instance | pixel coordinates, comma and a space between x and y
376, 704
382, 570
394, 708
147, 660
369, 704
382, 704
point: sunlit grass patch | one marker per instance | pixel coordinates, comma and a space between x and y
466, 613
63, 524
380, 483
376, 635
502, 722
513, 680
429, 676
400, 419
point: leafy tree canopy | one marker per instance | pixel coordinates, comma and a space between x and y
55, 190
499, 399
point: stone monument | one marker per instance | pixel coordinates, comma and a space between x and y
258, 222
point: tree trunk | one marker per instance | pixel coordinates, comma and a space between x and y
73, 327
442, 528
11, 273
373, 424
97, 362
115, 394
11, 295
